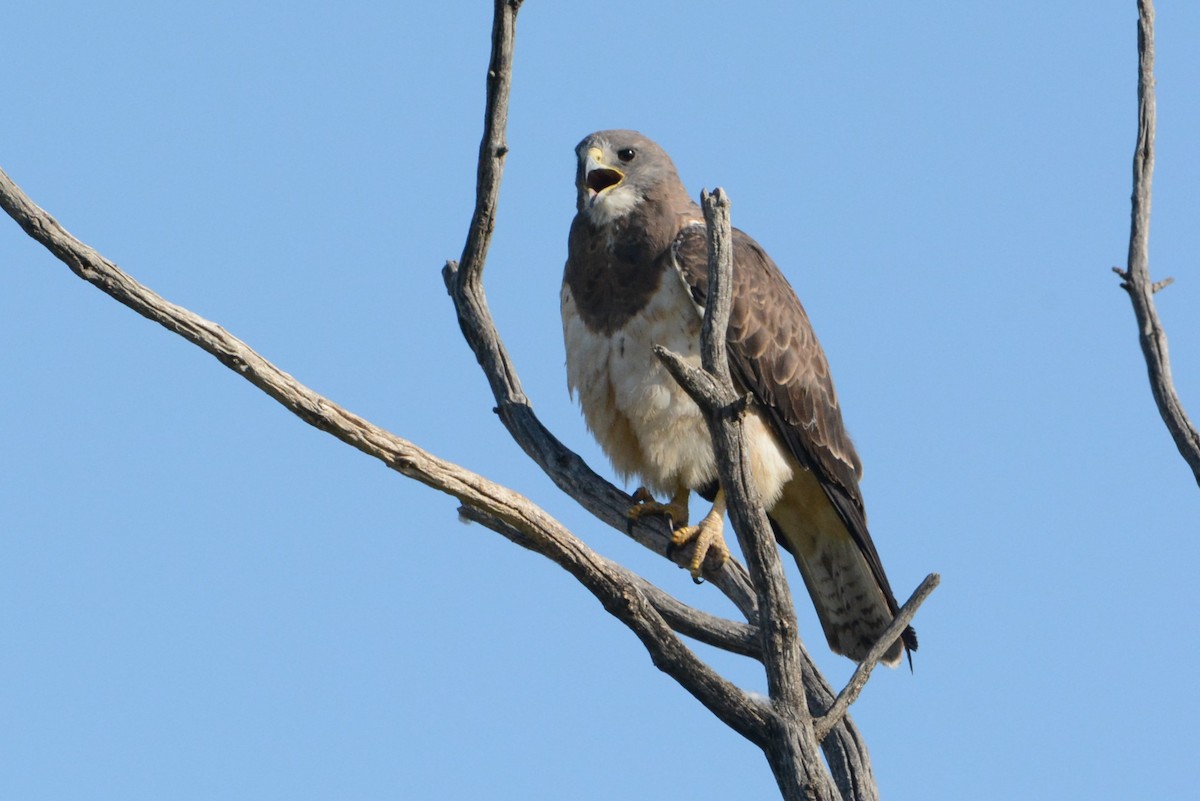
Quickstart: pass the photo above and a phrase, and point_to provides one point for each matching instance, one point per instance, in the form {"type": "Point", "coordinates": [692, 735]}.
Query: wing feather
{"type": "Point", "coordinates": [775, 355]}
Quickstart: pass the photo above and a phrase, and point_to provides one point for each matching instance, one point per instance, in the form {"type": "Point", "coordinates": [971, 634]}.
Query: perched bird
{"type": "Point", "coordinates": [636, 276]}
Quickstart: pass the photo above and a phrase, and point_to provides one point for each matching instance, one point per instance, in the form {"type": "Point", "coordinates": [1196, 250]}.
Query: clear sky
{"type": "Point", "coordinates": [202, 597]}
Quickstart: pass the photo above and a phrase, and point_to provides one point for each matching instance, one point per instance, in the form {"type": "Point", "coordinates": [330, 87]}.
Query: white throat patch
{"type": "Point", "coordinates": [611, 204]}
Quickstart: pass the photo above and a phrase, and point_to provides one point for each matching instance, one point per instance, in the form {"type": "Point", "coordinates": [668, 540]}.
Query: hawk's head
{"type": "Point", "coordinates": [617, 170]}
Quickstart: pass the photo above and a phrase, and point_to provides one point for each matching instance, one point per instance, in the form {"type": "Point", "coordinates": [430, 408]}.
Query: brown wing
{"type": "Point", "coordinates": [775, 354]}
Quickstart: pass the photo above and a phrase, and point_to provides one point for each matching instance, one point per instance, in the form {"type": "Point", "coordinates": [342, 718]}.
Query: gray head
{"type": "Point", "coordinates": [617, 170]}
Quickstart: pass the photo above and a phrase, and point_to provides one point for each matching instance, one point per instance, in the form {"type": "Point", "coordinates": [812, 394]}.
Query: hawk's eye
{"type": "Point", "coordinates": [626, 154]}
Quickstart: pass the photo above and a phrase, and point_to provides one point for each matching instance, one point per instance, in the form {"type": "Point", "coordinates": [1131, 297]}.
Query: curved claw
{"type": "Point", "coordinates": [644, 504]}
{"type": "Point", "coordinates": [707, 537]}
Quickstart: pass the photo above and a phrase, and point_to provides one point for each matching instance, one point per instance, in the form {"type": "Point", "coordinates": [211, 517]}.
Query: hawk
{"type": "Point", "coordinates": [636, 276]}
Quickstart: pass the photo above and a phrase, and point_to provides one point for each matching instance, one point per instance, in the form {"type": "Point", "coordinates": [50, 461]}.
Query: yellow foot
{"type": "Point", "coordinates": [707, 538]}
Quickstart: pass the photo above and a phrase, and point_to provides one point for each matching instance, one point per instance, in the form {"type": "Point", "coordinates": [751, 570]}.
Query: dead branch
{"type": "Point", "coordinates": [1136, 276]}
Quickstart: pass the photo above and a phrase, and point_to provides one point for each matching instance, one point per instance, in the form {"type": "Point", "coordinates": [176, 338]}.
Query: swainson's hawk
{"type": "Point", "coordinates": [636, 276]}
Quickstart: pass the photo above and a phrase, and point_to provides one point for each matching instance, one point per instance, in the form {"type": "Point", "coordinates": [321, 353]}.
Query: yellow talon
{"type": "Point", "coordinates": [707, 535]}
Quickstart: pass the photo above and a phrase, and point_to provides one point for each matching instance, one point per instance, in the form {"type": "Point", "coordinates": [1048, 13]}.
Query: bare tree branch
{"type": "Point", "coordinates": [714, 356]}
{"type": "Point", "coordinates": [1136, 276]}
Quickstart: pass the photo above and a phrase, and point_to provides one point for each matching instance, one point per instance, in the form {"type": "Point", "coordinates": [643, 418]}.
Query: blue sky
{"type": "Point", "coordinates": [202, 597]}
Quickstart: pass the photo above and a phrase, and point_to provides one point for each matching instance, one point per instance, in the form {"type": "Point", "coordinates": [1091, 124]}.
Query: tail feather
{"type": "Point", "coordinates": [852, 609]}
{"type": "Point", "coordinates": [853, 606]}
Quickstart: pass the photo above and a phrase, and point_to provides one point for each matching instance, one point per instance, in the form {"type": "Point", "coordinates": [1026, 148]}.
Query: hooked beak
{"type": "Point", "coordinates": [597, 175]}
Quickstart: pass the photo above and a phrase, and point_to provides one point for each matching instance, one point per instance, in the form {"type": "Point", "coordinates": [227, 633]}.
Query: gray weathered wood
{"type": "Point", "coordinates": [1136, 276]}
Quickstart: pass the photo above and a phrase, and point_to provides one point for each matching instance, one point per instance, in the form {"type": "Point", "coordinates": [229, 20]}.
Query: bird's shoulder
{"type": "Point", "coordinates": [774, 353]}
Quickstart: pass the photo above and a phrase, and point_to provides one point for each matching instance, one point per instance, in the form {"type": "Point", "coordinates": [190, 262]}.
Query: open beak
{"type": "Point", "coordinates": [597, 175]}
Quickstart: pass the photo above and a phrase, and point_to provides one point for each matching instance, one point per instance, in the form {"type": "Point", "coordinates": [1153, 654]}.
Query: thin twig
{"type": "Point", "coordinates": [858, 680]}
{"type": "Point", "coordinates": [468, 272]}
{"type": "Point", "coordinates": [1136, 277]}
